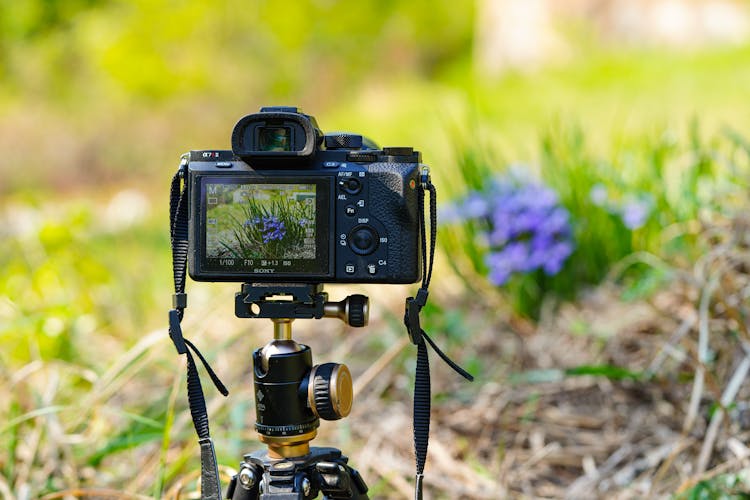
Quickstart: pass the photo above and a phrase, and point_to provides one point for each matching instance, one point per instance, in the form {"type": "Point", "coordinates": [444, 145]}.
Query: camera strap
{"type": "Point", "coordinates": [418, 337]}
{"type": "Point", "coordinates": [178, 223]}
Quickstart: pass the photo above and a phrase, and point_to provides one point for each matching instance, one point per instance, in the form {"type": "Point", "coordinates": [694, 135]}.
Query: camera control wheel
{"type": "Point", "coordinates": [363, 240]}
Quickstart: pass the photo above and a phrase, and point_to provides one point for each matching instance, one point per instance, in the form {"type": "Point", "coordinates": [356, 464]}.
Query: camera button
{"type": "Point", "coordinates": [224, 164]}
{"type": "Point", "coordinates": [372, 269]}
{"type": "Point", "coordinates": [351, 185]}
{"type": "Point", "coordinates": [350, 210]}
{"type": "Point", "coordinates": [331, 164]}
{"type": "Point", "coordinates": [349, 268]}
{"type": "Point", "coordinates": [363, 240]}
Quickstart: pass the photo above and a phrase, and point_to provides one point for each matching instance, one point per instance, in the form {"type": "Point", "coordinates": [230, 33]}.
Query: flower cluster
{"type": "Point", "coordinates": [526, 227]}
{"type": "Point", "coordinates": [273, 228]}
{"type": "Point", "coordinates": [633, 210]}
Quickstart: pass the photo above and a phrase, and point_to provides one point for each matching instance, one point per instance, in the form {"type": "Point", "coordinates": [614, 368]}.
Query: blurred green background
{"type": "Point", "coordinates": [98, 99]}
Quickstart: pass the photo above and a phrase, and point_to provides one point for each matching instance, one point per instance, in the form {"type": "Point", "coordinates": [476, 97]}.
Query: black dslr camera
{"type": "Point", "coordinates": [291, 204]}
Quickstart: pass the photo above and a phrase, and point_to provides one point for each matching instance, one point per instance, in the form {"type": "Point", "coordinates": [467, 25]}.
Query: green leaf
{"type": "Point", "coordinates": [124, 442]}
{"type": "Point", "coordinates": [611, 372]}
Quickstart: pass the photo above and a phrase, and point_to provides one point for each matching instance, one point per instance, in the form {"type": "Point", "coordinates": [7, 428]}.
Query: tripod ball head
{"type": "Point", "coordinates": [292, 394]}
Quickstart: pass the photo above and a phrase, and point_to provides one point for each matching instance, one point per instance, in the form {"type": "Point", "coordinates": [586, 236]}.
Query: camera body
{"type": "Point", "coordinates": [290, 204]}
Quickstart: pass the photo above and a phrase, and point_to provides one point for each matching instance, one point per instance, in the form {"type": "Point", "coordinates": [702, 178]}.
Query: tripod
{"type": "Point", "coordinates": [292, 395]}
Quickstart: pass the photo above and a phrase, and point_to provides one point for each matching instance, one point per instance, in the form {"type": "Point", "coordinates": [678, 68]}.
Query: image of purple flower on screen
{"type": "Point", "coordinates": [273, 229]}
{"type": "Point", "coordinates": [252, 222]}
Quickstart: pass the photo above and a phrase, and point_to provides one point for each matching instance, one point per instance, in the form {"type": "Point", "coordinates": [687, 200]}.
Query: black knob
{"type": "Point", "coordinates": [362, 157]}
{"type": "Point", "coordinates": [363, 240]}
{"type": "Point", "coordinates": [343, 141]}
{"type": "Point", "coordinates": [358, 313]}
{"type": "Point", "coordinates": [351, 185]}
{"type": "Point", "coordinates": [353, 310]}
{"type": "Point", "coordinates": [330, 391]}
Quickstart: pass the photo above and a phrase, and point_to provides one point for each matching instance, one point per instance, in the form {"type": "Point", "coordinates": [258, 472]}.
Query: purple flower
{"type": "Point", "coordinates": [252, 222]}
{"type": "Point", "coordinates": [273, 229]}
{"type": "Point", "coordinates": [526, 228]}
{"type": "Point", "coordinates": [557, 222]}
{"type": "Point", "coordinates": [527, 221]}
{"type": "Point", "coordinates": [450, 214]}
{"type": "Point", "coordinates": [556, 257]}
{"type": "Point", "coordinates": [515, 253]}
{"type": "Point", "coordinates": [538, 197]}
{"type": "Point", "coordinates": [500, 235]}
{"type": "Point", "coordinates": [539, 249]}
{"type": "Point", "coordinates": [598, 195]}
{"type": "Point", "coordinates": [633, 210]}
{"type": "Point", "coordinates": [475, 206]}
{"type": "Point", "coordinates": [499, 276]}
{"type": "Point", "coordinates": [635, 213]}
{"type": "Point", "coordinates": [500, 271]}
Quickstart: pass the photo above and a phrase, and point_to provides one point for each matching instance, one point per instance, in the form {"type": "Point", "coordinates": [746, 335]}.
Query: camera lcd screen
{"type": "Point", "coordinates": [266, 226]}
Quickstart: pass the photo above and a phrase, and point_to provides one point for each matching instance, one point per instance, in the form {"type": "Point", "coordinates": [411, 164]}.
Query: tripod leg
{"type": "Point", "coordinates": [324, 470]}
{"type": "Point", "coordinates": [338, 480]}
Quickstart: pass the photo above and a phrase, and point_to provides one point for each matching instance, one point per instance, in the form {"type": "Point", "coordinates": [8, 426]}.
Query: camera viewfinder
{"type": "Point", "coordinates": [275, 139]}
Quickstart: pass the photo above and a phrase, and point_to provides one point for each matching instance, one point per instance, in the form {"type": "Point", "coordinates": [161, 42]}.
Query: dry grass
{"type": "Point", "coordinates": [682, 417]}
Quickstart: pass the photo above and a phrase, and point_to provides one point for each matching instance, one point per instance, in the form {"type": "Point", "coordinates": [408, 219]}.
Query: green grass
{"type": "Point", "coordinates": [71, 328]}
{"type": "Point", "coordinates": [721, 487]}
{"type": "Point", "coordinates": [685, 179]}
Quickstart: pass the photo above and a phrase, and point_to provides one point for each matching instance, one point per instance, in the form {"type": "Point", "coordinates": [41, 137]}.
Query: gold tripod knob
{"type": "Point", "coordinates": [329, 391]}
